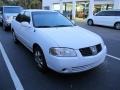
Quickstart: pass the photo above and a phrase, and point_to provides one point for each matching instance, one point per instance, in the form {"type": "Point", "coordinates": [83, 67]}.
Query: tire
{"type": "Point", "coordinates": [40, 59]}
{"type": "Point", "coordinates": [90, 22]}
{"type": "Point", "coordinates": [14, 37]}
{"type": "Point", "coordinates": [0, 23]}
{"type": "Point", "coordinates": [4, 27]}
{"type": "Point", "coordinates": [117, 25]}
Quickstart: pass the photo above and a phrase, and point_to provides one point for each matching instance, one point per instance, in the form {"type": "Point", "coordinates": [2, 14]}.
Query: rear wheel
{"type": "Point", "coordinates": [117, 26]}
{"type": "Point", "coordinates": [90, 22]}
{"type": "Point", "coordinates": [40, 59]}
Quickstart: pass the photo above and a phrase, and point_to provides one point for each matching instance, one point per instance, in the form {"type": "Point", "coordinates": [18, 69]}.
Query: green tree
{"type": "Point", "coordinates": [1, 3]}
{"type": "Point", "coordinates": [30, 3]}
{"type": "Point", "coordinates": [35, 4]}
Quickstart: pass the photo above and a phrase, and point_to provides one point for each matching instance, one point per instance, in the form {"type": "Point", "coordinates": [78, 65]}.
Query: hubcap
{"type": "Point", "coordinates": [39, 59]}
{"type": "Point", "coordinates": [90, 22]}
{"type": "Point", "coordinates": [118, 26]}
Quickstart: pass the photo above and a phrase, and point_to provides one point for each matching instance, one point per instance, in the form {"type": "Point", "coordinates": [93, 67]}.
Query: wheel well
{"type": "Point", "coordinates": [90, 19]}
{"type": "Point", "coordinates": [36, 45]}
{"type": "Point", "coordinates": [116, 23]}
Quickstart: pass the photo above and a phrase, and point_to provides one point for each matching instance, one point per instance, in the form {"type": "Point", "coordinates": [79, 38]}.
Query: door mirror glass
{"type": "Point", "coordinates": [26, 24]}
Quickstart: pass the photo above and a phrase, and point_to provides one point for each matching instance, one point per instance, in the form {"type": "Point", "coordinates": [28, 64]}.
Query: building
{"type": "Point", "coordinates": [80, 8]}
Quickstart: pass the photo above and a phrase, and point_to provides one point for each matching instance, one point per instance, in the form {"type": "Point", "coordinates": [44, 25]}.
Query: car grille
{"type": "Point", "coordinates": [90, 51]}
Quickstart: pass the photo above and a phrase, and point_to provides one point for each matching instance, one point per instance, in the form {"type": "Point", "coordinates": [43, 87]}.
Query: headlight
{"type": "Point", "coordinates": [63, 52]}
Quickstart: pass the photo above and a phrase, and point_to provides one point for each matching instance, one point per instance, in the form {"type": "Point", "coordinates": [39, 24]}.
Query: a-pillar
{"type": "Point", "coordinates": [116, 4]}
{"type": "Point", "coordinates": [73, 9]}
{"type": "Point", "coordinates": [91, 8]}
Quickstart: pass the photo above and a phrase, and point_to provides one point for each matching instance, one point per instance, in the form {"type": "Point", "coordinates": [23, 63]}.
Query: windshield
{"type": "Point", "coordinates": [12, 9]}
{"type": "Point", "coordinates": [50, 19]}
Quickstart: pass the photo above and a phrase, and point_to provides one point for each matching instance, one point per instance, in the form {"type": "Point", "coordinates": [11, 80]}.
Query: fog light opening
{"type": "Point", "coordinates": [65, 70]}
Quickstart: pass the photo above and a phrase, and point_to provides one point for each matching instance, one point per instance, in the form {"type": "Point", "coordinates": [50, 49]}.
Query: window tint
{"type": "Point", "coordinates": [19, 18]}
{"type": "Point", "coordinates": [108, 13]}
{"type": "Point", "coordinates": [23, 18]}
{"type": "Point", "coordinates": [27, 13]}
{"type": "Point", "coordinates": [102, 13]}
{"type": "Point", "coordinates": [27, 16]}
{"type": "Point", "coordinates": [12, 9]}
{"type": "Point", "coordinates": [50, 19]}
{"type": "Point", "coordinates": [116, 13]}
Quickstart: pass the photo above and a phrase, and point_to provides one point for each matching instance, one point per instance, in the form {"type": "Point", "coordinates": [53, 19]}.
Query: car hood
{"type": "Point", "coordinates": [72, 37]}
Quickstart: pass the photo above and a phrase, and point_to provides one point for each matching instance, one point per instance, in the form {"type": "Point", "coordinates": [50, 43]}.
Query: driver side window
{"type": "Point", "coordinates": [19, 18]}
{"type": "Point", "coordinates": [22, 18]}
{"type": "Point", "coordinates": [25, 18]}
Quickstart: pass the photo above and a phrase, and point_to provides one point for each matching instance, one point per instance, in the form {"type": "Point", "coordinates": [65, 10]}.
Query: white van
{"type": "Point", "coordinates": [106, 18]}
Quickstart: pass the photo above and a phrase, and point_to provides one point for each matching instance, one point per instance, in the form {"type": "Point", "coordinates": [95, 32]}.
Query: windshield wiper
{"type": "Point", "coordinates": [62, 26]}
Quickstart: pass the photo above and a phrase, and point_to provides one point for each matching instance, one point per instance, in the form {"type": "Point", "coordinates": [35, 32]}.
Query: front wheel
{"type": "Point", "coordinates": [40, 59]}
{"type": "Point", "coordinates": [90, 22]}
{"type": "Point", "coordinates": [117, 26]}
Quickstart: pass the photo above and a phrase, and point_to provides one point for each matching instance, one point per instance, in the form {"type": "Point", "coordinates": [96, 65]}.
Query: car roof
{"type": "Point", "coordinates": [39, 10]}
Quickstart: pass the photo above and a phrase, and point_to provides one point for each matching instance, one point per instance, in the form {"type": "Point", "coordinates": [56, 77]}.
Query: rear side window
{"type": "Point", "coordinates": [102, 13]}
{"type": "Point", "coordinates": [108, 13]}
{"type": "Point", "coordinates": [116, 13]}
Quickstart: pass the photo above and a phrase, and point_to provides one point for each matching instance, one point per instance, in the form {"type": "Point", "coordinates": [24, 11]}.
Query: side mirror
{"type": "Point", "coordinates": [26, 24]}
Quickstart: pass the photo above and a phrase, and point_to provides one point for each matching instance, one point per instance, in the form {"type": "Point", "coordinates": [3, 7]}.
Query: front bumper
{"type": "Point", "coordinates": [75, 64]}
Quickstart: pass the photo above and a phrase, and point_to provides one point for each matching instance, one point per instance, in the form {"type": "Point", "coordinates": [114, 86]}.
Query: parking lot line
{"type": "Point", "coordinates": [113, 57]}
{"type": "Point", "coordinates": [11, 70]}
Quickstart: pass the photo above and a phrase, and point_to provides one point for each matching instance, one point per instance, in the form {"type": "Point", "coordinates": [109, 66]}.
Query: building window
{"type": "Point", "coordinates": [98, 8]}
{"type": "Point", "coordinates": [82, 9]}
{"type": "Point", "coordinates": [67, 9]}
{"type": "Point", "coordinates": [56, 6]}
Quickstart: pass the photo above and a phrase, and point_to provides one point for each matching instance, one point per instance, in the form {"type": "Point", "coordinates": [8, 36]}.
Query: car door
{"type": "Point", "coordinates": [105, 18]}
{"type": "Point", "coordinates": [27, 31]}
{"type": "Point", "coordinates": [16, 25]}
{"type": "Point", "coordinates": [109, 18]}
{"type": "Point", "coordinates": [99, 18]}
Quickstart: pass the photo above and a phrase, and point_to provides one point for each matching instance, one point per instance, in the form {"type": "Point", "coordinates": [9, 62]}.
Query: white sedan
{"type": "Point", "coordinates": [57, 43]}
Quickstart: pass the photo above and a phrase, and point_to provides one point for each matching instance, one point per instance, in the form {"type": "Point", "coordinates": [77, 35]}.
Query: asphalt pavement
{"type": "Point", "coordinates": [104, 77]}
